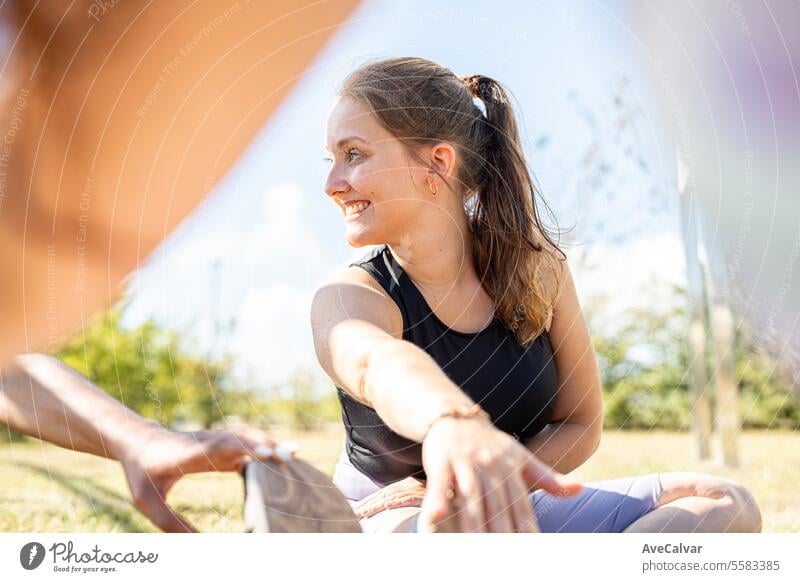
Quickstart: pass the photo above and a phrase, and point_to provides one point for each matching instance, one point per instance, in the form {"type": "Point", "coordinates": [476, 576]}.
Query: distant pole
{"type": "Point", "coordinates": [214, 414]}
{"type": "Point", "coordinates": [698, 381]}
{"type": "Point", "coordinates": [727, 393]}
{"type": "Point", "coordinates": [215, 296]}
{"type": "Point", "coordinates": [723, 354]}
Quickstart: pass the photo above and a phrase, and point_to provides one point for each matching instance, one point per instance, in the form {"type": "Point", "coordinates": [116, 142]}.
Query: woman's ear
{"type": "Point", "coordinates": [443, 160]}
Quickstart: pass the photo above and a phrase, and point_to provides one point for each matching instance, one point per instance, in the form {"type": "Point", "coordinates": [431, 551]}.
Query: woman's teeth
{"type": "Point", "coordinates": [353, 209]}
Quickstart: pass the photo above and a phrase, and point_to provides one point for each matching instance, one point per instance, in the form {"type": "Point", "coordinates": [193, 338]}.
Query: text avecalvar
{"type": "Point", "coordinates": [671, 549]}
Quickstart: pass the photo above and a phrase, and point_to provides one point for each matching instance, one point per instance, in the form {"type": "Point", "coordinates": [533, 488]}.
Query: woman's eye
{"type": "Point", "coordinates": [352, 155]}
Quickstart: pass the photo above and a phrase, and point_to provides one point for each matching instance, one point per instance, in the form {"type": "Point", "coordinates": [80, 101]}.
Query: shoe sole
{"type": "Point", "coordinates": [294, 497]}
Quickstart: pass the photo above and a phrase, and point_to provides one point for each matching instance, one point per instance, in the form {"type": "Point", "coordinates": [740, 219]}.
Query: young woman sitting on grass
{"type": "Point", "coordinates": [458, 346]}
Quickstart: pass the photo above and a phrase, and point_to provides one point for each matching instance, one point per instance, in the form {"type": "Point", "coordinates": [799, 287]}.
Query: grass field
{"type": "Point", "coordinates": [47, 489]}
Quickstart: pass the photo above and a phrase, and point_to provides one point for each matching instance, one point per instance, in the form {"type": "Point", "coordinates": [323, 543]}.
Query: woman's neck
{"type": "Point", "coordinates": [437, 259]}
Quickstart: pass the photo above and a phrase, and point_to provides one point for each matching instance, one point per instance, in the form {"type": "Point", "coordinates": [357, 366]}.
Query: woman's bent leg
{"type": "Point", "coordinates": [601, 506]}
{"type": "Point", "coordinates": [666, 502]}
{"type": "Point", "coordinates": [698, 502]}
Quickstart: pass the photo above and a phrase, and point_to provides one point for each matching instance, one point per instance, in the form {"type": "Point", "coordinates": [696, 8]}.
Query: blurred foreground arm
{"type": "Point", "coordinates": [117, 120]}
{"type": "Point", "coordinates": [41, 397]}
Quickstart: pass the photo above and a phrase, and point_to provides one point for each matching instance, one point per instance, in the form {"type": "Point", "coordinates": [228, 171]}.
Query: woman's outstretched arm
{"type": "Point", "coordinates": [357, 331]}
{"type": "Point", "coordinates": [574, 435]}
{"type": "Point", "coordinates": [357, 335]}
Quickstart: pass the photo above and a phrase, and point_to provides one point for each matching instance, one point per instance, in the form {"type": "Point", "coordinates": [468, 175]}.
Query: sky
{"type": "Point", "coordinates": [239, 275]}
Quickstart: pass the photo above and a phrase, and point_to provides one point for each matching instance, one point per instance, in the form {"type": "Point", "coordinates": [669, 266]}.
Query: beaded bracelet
{"type": "Point", "coordinates": [470, 411]}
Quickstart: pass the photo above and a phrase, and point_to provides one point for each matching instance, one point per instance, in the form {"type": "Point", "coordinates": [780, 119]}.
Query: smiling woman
{"type": "Point", "coordinates": [458, 346]}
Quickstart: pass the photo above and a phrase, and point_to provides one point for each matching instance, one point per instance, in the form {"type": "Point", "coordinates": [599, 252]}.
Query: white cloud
{"type": "Point", "coordinates": [638, 274]}
{"type": "Point", "coordinates": [287, 230]}
{"type": "Point", "coordinates": [273, 336]}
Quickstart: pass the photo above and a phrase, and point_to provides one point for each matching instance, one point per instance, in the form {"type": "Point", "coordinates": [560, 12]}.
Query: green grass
{"type": "Point", "coordinates": [47, 489]}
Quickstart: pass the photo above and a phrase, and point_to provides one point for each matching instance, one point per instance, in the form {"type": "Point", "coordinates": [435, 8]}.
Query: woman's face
{"type": "Point", "coordinates": [381, 192]}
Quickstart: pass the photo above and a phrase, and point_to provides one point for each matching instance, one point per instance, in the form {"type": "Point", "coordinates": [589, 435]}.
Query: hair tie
{"type": "Point", "coordinates": [480, 87]}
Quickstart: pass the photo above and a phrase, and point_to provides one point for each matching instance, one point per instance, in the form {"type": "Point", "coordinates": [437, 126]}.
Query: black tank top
{"type": "Point", "coordinates": [515, 385]}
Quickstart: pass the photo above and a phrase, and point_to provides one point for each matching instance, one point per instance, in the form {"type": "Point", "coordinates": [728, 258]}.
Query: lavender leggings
{"type": "Point", "coordinates": [601, 506]}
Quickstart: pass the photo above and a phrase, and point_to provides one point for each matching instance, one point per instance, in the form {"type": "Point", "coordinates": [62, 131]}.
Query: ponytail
{"type": "Point", "coordinates": [508, 241]}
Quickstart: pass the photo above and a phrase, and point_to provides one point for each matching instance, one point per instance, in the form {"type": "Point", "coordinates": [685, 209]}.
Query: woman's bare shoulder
{"type": "Point", "coordinates": [354, 293]}
{"type": "Point", "coordinates": [353, 279]}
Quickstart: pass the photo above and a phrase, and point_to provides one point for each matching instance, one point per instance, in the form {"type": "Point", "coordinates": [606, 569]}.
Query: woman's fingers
{"type": "Point", "coordinates": [469, 490]}
{"type": "Point", "coordinates": [406, 493]}
{"type": "Point", "coordinates": [372, 508]}
{"type": "Point", "coordinates": [538, 475]}
{"type": "Point", "coordinates": [362, 512]}
{"type": "Point", "coordinates": [438, 500]}
{"type": "Point", "coordinates": [497, 505]}
{"type": "Point", "coordinates": [366, 503]}
{"type": "Point", "coordinates": [521, 509]}
{"type": "Point", "coordinates": [482, 459]}
{"type": "Point", "coordinates": [368, 506]}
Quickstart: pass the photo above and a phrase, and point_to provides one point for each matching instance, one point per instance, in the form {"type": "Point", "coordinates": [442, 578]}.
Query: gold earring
{"type": "Point", "coordinates": [433, 190]}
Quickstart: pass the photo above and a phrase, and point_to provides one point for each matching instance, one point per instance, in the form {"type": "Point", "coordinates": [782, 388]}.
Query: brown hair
{"type": "Point", "coordinates": [421, 102]}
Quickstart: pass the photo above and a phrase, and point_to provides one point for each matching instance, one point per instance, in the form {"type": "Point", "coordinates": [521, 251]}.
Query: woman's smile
{"type": "Point", "coordinates": [355, 208]}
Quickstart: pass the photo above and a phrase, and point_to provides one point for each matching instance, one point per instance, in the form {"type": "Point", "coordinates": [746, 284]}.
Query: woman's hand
{"type": "Point", "coordinates": [162, 457]}
{"type": "Point", "coordinates": [486, 475]}
{"type": "Point", "coordinates": [406, 493]}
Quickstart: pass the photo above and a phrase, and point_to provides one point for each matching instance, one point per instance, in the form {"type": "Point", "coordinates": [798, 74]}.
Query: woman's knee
{"type": "Point", "coordinates": [730, 497]}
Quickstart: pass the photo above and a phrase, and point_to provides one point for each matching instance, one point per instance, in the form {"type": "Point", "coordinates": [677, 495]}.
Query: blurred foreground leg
{"type": "Point", "coordinates": [294, 497]}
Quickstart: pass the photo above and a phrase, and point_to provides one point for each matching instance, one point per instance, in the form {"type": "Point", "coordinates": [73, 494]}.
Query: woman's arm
{"type": "Point", "coordinates": [357, 330]}
{"type": "Point", "coordinates": [575, 434]}
{"type": "Point", "coordinates": [565, 446]}
{"type": "Point", "coordinates": [41, 397]}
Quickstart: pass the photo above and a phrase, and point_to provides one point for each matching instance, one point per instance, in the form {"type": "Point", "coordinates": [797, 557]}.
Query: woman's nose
{"type": "Point", "coordinates": [335, 184]}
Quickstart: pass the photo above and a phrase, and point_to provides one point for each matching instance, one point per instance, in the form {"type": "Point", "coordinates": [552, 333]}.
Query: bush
{"type": "Point", "coordinates": [9, 436]}
{"type": "Point", "coordinates": [301, 405]}
{"type": "Point", "coordinates": [656, 394]}
{"type": "Point", "coordinates": [148, 370]}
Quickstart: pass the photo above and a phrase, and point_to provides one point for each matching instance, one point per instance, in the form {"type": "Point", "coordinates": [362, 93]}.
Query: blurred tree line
{"type": "Point", "coordinates": [151, 371]}
{"type": "Point", "coordinates": [148, 369]}
{"type": "Point", "coordinates": [655, 394]}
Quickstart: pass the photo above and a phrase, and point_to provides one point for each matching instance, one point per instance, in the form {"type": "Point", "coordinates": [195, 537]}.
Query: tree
{"type": "Point", "coordinates": [147, 369]}
{"type": "Point", "coordinates": [654, 392]}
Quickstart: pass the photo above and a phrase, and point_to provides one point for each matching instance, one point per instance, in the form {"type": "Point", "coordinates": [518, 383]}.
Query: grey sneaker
{"type": "Point", "coordinates": [294, 497]}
